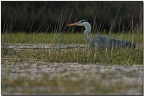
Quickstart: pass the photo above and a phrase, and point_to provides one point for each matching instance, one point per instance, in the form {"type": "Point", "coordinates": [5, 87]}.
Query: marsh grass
{"type": "Point", "coordinates": [80, 55]}
{"type": "Point", "coordinates": [64, 38]}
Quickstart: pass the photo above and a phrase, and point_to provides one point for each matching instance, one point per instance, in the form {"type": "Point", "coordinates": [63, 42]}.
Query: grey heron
{"type": "Point", "coordinates": [102, 41]}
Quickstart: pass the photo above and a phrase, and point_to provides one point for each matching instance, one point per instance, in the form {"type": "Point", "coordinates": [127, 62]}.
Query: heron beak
{"type": "Point", "coordinates": [73, 24]}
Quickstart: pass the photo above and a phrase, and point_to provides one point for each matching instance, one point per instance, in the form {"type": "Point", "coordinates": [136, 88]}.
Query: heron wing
{"type": "Point", "coordinates": [100, 41]}
{"type": "Point", "coordinates": [103, 41]}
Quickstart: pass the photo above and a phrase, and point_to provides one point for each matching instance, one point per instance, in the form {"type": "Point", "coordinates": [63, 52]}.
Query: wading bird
{"type": "Point", "coordinates": [102, 41]}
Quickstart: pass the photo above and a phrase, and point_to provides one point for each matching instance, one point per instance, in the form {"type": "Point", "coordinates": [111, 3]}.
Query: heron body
{"type": "Point", "coordinates": [102, 41]}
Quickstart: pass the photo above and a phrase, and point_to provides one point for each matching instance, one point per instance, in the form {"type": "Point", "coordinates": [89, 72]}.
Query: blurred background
{"type": "Point", "coordinates": [44, 16]}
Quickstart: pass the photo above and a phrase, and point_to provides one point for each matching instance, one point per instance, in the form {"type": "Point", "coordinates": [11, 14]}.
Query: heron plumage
{"type": "Point", "coordinates": [102, 41]}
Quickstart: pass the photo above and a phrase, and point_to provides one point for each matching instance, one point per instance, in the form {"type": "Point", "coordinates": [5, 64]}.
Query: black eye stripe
{"type": "Point", "coordinates": [83, 21]}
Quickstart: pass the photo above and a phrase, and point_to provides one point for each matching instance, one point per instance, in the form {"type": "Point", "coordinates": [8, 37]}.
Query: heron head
{"type": "Point", "coordinates": [79, 23]}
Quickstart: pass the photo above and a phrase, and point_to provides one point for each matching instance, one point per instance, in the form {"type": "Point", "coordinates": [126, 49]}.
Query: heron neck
{"type": "Point", "coordinates": [86, 31]}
